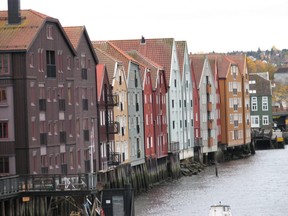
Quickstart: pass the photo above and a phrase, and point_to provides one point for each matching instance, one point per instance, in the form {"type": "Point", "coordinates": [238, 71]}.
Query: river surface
{"type": "Point", "coordinates": [254, 186]}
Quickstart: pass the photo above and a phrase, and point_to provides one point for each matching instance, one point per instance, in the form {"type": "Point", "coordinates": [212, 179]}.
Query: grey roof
{"type": "Point", "coordinates": [262, 85]}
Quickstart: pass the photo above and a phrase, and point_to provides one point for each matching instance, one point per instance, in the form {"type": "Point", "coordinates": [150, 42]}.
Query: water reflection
{"type": "Point", "coordinates": [253, 186]}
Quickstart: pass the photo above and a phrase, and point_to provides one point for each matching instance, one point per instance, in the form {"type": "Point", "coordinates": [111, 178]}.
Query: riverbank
{"type": "Point", "coordinates": [241, 183]}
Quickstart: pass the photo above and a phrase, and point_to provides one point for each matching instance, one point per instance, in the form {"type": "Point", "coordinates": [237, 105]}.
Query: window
{"type": "Point", "coordinates": [173, 124]}
{"type": "Point", "coordinates": [60, 61]}
{"type": "Point", "coordinates": [83, 61]}
{"type": "Point", "coordinates": [4, 64]}
{"type": "Point", "coordinates": [69, 96]}
{"type": "Point", "coordinates": [40, 60]}
{"type": "Point", "coordinates": [265, 120]}
{"type": "Point", "coordinates": [175, 83]}
{"type": "Point", "coordinates": [254, 106]}
{"type": "Point", "coordinates": [33, 127]}
{"type": "Point", "coordinates": [51, 67]}
{"type": "Point", "coordinates": [49, 32]}
{"type": "Point", "coordinates": [4, 165]}
{"type": "Point", "coordinates": [255, 121]}
{"type": "Point", "coordinates": [3, 130]}
{"type": "Point", "coordinates": [3, 95]}
{"type": "Point", "coordinates": [265, 103]}
{"type": "Point", "coordinates": [31, 60]}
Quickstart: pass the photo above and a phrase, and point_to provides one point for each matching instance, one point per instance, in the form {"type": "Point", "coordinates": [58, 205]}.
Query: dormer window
{"type": "Point", "coordinates": [49, 32]}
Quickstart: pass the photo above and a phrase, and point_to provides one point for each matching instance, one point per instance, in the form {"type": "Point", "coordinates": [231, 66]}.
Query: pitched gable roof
{"type": "Point", "coordinates": [180, 48]}
{"type": "Point", "coordinates": [75, 33]}
{"type": "Point", "coordinates": [197, 64]}
{"type": "Point", "coordinates": [240, 60]}
{"type": "Point", "coordinates": [20, 37]}
{"type": "Point", "coordinates": [262, 85]}
{"type": "Point", "coordinates": [109, 61]}
{"type": "Point", "coordinates": [159, 50]}
{"type": "Point", "coordinates": [152, 66]}
{"type": "Point", "coordinates": [114, 51]}
{"type": "Point", "coordinates": [223, 63]}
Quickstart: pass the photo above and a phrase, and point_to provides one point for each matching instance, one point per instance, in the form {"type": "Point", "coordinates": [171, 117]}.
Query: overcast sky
{"type": "Point", "coordinates": [206, 25]}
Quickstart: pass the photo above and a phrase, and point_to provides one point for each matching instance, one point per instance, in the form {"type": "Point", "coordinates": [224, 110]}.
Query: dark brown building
{"type": "Point", "coordinates": [37, 99]}
{"type": "Point", "coordinates": [85, 100]}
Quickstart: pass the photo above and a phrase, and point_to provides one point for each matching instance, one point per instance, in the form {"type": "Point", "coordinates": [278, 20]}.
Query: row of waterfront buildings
{"type": "Point", "coordinates": [71, 105]}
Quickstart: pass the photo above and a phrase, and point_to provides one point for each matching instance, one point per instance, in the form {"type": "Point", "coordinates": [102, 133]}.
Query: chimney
{"type": "Point", "coordinates": [143, 40]}
{"type": "Point", "coordinates": [14, 11]}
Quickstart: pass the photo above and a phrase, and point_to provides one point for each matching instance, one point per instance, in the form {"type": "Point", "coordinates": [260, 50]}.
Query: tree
{"type": "Point", "coordinates": [280, 94]}
{"type": "Point", "coordinates": [251, 65]}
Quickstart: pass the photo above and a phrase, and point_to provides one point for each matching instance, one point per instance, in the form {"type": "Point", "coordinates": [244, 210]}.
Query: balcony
{"type": "Point", "coordinates": [113, 159]}
{"type": "Point", "coordinates": [113, 127]}
{"type": "Point", "coordinates": [210, 141]}
{"type": "Point", "coordinates": [42, 104]}
{"type": "Point", "coordinates": [173, 147]}
{"type": "Point", "coordinates": [208, 88]}
{"type": "Point", "coordinates": [209, 106]}
{"type": "Point", "coordinates": [210, 124]}
{"type": "Point", "coordinates": [112, 100]}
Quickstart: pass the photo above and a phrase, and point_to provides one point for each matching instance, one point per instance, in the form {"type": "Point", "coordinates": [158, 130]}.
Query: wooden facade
{"type": "Point", "coordinates": [117, 79]}
{"type": "Point", "coordinates": [205, 83]}
{"type": "Point", "coordinates": [232, 109]}
{"type": "Point", "coordinates": [85, 99]}
{"type": "Point", "coordinates": [187, 104]}
{"type": "Point", "coordinates": [107, 126]}
{"type": "Point", "coordinates": [134, 83]}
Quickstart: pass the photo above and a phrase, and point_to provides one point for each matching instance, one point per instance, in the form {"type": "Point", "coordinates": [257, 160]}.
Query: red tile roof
{"type": "Point", "coordinates": [240, 60]}
{"type": "Point", "coordinates": [114, 51]}
{"type": "Point", "coordinates": [109, 61]}
{"type": "Point", "coordinates": [74, 33]}
{"type": "Point", "coordinates": [20, 37]}
{"type": "Point", "coordinates": [158, 50]}
{"type": "Point", "coordinates": [223, 64]}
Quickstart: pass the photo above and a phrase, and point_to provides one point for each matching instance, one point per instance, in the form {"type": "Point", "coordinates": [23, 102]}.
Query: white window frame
{"type": "Point", "coordinates": [254, 105]}
{"type": "Point", "coordinates": [265, 103]}
{"type": "Point", "coordinates": [265, 120]}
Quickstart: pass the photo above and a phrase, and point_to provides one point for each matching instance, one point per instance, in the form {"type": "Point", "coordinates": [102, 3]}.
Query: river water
{"type": "Point", "coordinates": [254, 186]}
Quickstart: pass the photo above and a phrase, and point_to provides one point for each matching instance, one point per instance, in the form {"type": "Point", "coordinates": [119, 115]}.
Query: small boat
{"type": "Point", "coordinates": [220, 210]}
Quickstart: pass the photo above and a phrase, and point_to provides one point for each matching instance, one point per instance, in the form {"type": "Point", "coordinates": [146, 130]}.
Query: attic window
{"type": "Point", "coordinates": [49, 32]}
